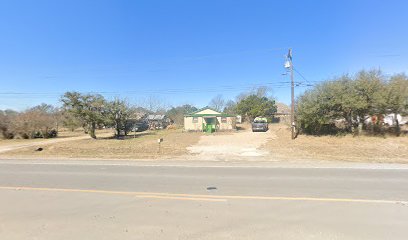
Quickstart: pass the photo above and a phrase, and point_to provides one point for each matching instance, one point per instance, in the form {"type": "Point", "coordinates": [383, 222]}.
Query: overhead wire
{"type": "Point", "coordinates": [282, 84]}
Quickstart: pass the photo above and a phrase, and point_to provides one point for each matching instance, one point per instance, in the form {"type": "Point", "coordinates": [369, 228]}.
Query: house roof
{"type": "Point", "coordinates": [205, 108]}
{"type": "Point", "coordinates": [282, 108]}
{"type": "Point", "coordinates": [215, 113]}
{"type": "Point", "coordinates": [156, 117]}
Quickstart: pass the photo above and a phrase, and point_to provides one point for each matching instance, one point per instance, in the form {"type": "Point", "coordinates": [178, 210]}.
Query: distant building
{"type": "Point", "coordinates": [239, 119]}
{"type": "Point", "coordinates": [282, 114]}
{"type": "Point", "coordinates": [158, 121]}
{"type": "Point", "coordinates": [388, 119]}
{"type": "Point", "coordinates": [209, 120]}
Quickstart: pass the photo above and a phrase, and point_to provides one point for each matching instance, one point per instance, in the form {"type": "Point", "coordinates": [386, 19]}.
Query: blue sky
{"type": "Point", "coordinates": [135, 49]}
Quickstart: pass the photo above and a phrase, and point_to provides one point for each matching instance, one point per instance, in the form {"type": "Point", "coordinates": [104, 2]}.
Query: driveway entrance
{"type": "Point", "coordinates": [227, 146]}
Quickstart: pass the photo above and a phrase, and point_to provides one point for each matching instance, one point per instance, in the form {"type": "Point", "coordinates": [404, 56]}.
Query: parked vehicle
{"type": "Point", "coordinates": [133, 125]}
{"type": "Point", "coordinates": [140, 126]}
{"type": "Point", "coordinates": [260, 124]}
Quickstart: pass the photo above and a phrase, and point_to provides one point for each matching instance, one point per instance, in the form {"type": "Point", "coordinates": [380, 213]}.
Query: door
{"type": "Point", "coordinates": [210, 125]}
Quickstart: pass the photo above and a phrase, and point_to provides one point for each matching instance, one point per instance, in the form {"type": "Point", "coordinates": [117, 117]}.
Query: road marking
{"type": "Point", "coordinates": [134, 194]}
{"type": "Point", "coordinates": [210, 198]}
{"type": "Point", "coordinates": [277, 165]}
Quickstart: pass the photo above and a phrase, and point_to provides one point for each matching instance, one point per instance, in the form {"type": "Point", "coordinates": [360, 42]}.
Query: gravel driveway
{"type": "Point", "coordinates": [241, 144]}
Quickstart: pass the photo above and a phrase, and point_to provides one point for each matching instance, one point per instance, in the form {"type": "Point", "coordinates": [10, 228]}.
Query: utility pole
{"type": "Point", "coordinates": [289, 65]}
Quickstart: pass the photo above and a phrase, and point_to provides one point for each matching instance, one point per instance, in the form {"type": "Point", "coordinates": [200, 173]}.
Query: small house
{"type": "Point", "coordinates": [209, 120]}
{"type": "Point", "coordinates": [282, 114]}
{"type": "Point", "coordinates": [158, 121]}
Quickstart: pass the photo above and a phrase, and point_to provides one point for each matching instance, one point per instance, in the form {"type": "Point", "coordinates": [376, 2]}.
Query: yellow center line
{"type": "Point", "coordinates": [134, 194]}
{"type": "Point", "coordinates": [201, 197]}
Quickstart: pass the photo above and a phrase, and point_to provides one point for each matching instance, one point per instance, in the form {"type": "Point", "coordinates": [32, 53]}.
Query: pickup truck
{"type": "Point", "coordinates": [260, 124]}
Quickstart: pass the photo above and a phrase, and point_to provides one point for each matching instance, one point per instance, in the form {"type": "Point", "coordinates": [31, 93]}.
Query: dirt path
{"type": "Point", "coordinates": [237, 145]}
{"type": "Point", "coordinates": [14, 146]}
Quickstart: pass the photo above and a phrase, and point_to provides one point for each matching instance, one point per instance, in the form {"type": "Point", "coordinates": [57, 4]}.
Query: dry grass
{"type": "Point", "coordinates": [144, 145]}
{"type": "Point", "coordinates": [63, 133]}
{"type": "Point", "coordinates": [344, 148]}
{"type": "Point", "coordinates": [281, 147]}
{"type": "Point", "coordinates": [11, 142]}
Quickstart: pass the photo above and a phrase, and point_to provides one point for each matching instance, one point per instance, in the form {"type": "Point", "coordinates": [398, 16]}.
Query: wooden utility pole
{"type": "Point", "coordinates": [289, 65]}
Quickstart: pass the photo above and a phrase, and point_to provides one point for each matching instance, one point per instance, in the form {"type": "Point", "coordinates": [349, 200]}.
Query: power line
{"type": "Point", "coordinates": [303, 77]}
{"type": "Point", "coordinates": [156, 91]}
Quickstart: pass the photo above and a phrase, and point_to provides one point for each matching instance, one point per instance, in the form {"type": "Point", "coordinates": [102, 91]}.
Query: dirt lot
{"type": "Point", "coordinates": [144, 145]}
{"type": "Point", "coordinates": [242, 145]}
{"type": "Point", "coordinates": [344, 148]}
{"type": "Point", "coordinates": [62, 134]}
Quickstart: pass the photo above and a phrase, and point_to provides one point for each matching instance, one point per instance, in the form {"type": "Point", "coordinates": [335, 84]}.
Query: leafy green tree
{"type": "Point", "coordinates": [396, 97]}
{"type": "Point", "coordinates": [118, 114]}
{"type": "Point", "coordinates": [350, 99]}
{"type": "Point", "coordinates": [70, 121]}
{"type": "Point", "coordinates": [341, 101]}
{"type": "Point", "coordinates": [253, 106]}
{"type": "Point", "coordinates": [90, 109]}
{"type": "Point", "coordinates": [177, 113]}
{"type": "Point", "coordinates": [311, 116]}
{"type": "Point", "coordinates": [369, 88]}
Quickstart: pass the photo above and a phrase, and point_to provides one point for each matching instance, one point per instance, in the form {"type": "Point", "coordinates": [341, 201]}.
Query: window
{"type": "Point", "coordinates": [223, 119]}
{"type": "Point", "coordinates": [195, 119]}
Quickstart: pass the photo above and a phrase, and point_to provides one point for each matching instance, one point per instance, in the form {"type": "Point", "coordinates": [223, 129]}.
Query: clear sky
{"type": "Point", "coordinates": [189, 51]}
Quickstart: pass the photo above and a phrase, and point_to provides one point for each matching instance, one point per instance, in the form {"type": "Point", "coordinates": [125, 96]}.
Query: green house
{"type": "Point", "coordinates": [209, 120]}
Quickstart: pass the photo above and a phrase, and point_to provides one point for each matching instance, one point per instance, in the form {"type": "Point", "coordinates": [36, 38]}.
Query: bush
{"type": "Point", "coordinates": [351, 100]}
{"type": "Point", "coordinates": [36, 122]}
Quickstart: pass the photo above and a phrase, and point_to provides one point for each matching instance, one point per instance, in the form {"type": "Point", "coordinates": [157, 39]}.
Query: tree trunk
{"type": "Point", "coordinates": [360, 126]}
{"type": "Point", "coordinates": [397, 126]}
{"type": "Point", "coordinates": [92, 128]}
{"type": "Point", "coordinates": [117, 128]}
{"type": "Point", "coordinates": [349, 122]}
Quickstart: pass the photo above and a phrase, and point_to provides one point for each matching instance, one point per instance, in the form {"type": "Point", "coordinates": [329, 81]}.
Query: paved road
{"type": "Point", "coordinates": [113, 201]}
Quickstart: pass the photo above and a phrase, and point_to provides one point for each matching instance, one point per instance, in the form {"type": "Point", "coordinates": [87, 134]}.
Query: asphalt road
{"type": "Point", "coordinates": [113, 201]}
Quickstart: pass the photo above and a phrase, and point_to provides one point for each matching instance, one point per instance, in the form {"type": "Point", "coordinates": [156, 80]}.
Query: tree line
{"type": "Point", "coordinates": [358, 102]}
{"type": "Point", "coordinates": [345, 104]}
{"type": "Point", "coordinates": [249, 104]}
{"type": "Point", "coordinates": [92, 111]}
{"type": "Point", "coordinates": [87, 111]}
{"type": "Point", "coordinates": [39, 121]}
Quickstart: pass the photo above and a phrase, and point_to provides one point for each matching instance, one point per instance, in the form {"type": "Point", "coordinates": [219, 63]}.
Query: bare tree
{"type": "Point", "coordinates": [261, 91]}
{"type": "Point", "coordinates": [154, 104]}
{"type": "Point", "coordinates": [39, 121]}
{"type": "Point", "coordinates": [217, 103]}
{"type": "Point", "coordinates": [230, 107]}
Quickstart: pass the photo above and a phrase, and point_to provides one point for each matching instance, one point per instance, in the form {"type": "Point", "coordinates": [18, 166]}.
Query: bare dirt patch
{"type": "Point", "coordinates": [15, 144]}
{"type": "Point", "coordinates": [241, 144]}
{"type": "Point", "coordinates": [274, 145]}
{"type": "Point", "coordinates": [143, 145]}
{"type": "Point", "coordinates": [341, 148]}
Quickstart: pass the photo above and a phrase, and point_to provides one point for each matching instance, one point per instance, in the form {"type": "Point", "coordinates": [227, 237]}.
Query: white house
{"type": "Point", "coordinates": [209, 120]}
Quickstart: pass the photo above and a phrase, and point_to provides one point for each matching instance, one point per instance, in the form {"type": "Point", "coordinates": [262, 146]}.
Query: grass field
{"type": "Point", "coordinates": [144, 145]}
{"type": "Point", "coordinates": [139, 146]}
{"type": "Point", "coordinates": [343, 148]}
{"type": "Point", "coordinates": [61, 135]}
